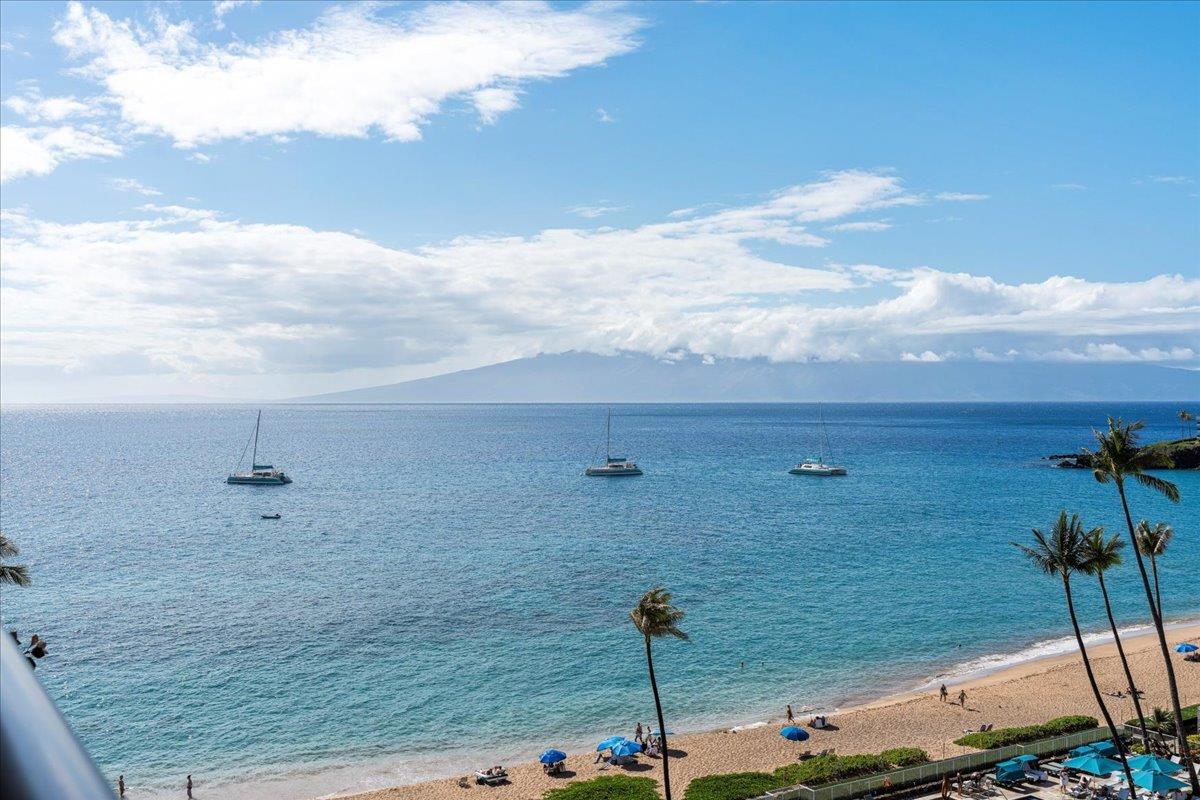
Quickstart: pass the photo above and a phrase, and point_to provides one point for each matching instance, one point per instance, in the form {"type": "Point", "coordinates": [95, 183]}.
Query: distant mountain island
{"type": "Point", "coordinates": [587, 378]}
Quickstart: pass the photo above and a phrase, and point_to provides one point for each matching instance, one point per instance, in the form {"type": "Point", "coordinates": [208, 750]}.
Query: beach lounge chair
{"type": "Point", "coordinates": [493, 776]}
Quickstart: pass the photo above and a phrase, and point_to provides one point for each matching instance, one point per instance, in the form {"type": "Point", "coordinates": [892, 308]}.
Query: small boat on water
{"type": "Point", "coordinates": [818, 466]}
{"type": "Point", "coordinates": [613, 466]}
{"type": "Point", "coordinates": [259, 474]}
{"type": "Point", "coordinates": [272, 516]}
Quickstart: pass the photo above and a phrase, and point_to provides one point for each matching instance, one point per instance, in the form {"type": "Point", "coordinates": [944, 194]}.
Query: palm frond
{"type": "Point", "coordinates": [1163, 487]}
{"type": "Point", "coordinates": [1099, 554]}
{"type": "Point", "coordinates": [654, 615]}
{"type": "Point", "coordinates": [1153, 540]}
{"type": "Point", "coordinates": [7, 548]}
{"type": "Point", "coordinates": [17, 574]}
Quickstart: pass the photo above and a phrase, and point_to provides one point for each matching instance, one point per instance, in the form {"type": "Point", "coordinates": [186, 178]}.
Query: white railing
{"type": "Point", "coordinates": [934, 771]}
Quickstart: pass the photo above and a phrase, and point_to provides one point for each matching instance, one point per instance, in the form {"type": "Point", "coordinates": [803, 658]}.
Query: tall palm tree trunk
{"type": "Point", "coordinates": [1157, 588]}
{"type": "Point", "coordinates": [1087, 666]}
{"type": "Point", "coordinates": [1180, 734]}
{"type": "Point", "coordinates": [662, 725]}
{"type": "Point", "coordinates": [1112, 623]}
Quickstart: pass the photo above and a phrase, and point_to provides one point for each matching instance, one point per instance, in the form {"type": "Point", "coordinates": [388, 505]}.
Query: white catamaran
{"type": "Point", "coordinates": [259, 474]}
{"type": "Point", "coordinates": [818, 466]}
{"type": "Point", "coordinates": [613, 466]}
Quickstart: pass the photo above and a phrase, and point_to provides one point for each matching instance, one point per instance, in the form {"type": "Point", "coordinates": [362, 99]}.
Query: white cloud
{"type": "Point", "coordinates": [190, 290]}
{"type": "Point", "coordinates": [598, 210]}
{"type": "Point", "coordinates": [603, 115]}
{"type": "Point", "coordinates": [928, 356]}
{"type": "Point", "coordinates": [873, 225]}
{"type": "Point", "coordinates": [359, 69]}
{"type": "Point", "coordinates": [36, 108]}
{"type": "Point", "coordinates": [959, 197]}
{"type": "Point", "coordinates": [223, 7]}
{"type": "Point", "coordinates": [38, 150]}
{"type": "Point", "coordinates": [1177, 180]}
{"type": "Point", "coordinates": [1111, 351]}
{"type": "Point", "coordinates": [133, 185]}
{"type": "Point", "coordinates": [198, 157]}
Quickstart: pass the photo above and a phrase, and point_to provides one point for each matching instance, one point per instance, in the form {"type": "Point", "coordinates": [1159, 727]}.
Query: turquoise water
{"type": "Point", "coordinates": [446, 582]}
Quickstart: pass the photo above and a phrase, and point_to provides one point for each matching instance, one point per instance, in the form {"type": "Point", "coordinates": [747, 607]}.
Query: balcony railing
{"type": "Point", "coordinates": [40, 758]}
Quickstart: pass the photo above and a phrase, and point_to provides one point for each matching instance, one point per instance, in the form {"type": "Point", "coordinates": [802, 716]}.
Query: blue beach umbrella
{"type": "Point", "coordinates": [553, 757]}
{"type": "Point", "coordinates": [1024, 757]}
{"type": "Point", "coordinates": [1157, 782]}
{"type": "Point", "coordinates": [794, 734]}
{"type": "Point", "coordinates": [1148, 763]}
{"type": "Point", "coordinates": [1082, 750]}
{"type": "Point", "coordinates": [1105, 748]}
{"type": "Point", "coordinates": [1186, 647]}
{"type": "Point", "coordinates": [1092, 764]}
{"type": "Point", "coordinates": [608, 743]}
{"type": "Point", "coordinates": [626, 748]}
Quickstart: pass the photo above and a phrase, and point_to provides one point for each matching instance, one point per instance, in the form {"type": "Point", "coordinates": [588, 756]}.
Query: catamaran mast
{"type": "Point", "coordinates": [608, 438]}
{"type": "Point", "coordinates": [254, 457]}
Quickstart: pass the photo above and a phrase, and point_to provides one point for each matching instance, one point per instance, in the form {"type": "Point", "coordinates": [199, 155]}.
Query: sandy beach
{"type": "Point", "coordinates": [1024, 694]}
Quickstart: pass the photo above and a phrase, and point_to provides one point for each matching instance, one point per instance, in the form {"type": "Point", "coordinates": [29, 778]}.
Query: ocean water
{"type": "Point", "coordinates": [446, 588]}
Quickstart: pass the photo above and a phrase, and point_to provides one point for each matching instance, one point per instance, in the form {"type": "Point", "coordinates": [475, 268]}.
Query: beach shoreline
{"type": "Point", "coordinates": [1024, 690]}
{"type": "Point", "coordinates": [1023, 693]}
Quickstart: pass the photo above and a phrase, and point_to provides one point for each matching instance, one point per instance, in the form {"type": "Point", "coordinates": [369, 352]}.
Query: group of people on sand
{"type": "Point", "coordinates": [651, 745]}
{"type": "Point", "coordinates": [944, 693]}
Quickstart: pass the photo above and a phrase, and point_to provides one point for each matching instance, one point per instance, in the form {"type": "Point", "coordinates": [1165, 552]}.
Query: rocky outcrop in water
{"type": "Point", "coordinates": [1177, 454]}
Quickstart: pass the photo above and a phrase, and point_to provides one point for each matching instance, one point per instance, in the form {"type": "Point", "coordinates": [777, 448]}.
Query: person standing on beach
{"type": "Point", "coordinates": [120, 786]}
{"type": "Point", "coordinates": [791, 717]}
{"type": "Point", "coordinates": [945, 784]}
{"type": "Point", "coordinates": [189, 787]}
{"type": "Point", "coordinates": [637, 733]}
{"type": "Point", "coordinates": [962, 697]}
{"type": "Point", "coordinates": [944, 693]}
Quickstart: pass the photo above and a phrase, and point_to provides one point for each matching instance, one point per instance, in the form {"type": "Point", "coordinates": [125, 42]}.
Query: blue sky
{"type": "Point", "coordinates": [949, 181]}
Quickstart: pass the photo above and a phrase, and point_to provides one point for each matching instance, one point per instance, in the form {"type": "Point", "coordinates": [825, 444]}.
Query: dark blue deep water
{"type": "Point", "coordinates": [446, 581]}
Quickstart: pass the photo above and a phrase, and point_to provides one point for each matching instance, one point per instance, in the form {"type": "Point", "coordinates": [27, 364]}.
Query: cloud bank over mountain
{"type": "Point", "coordinates": [188, 291]}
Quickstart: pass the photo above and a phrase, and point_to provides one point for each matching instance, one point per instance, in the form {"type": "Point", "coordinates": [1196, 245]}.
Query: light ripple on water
{"type": "Point", "coordinates": [445, 583]}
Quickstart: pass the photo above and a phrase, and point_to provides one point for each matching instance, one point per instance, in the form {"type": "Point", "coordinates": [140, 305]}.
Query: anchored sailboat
{"type": "Point", "coordinates": [259, 474]}
{"type": "Point", "coordinates": [819, 466]}
{"type": "Point", "coordinates": [613, 466]}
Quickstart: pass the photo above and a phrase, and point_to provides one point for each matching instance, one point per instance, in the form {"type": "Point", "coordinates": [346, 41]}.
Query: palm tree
{"type": "Point", "coordinates": [1059, 555]}
{"type": "Point", "coordinates": [654, 617]}
{"type": "Point", "coordinates": [1118, 458]}
{"type": "Point", "coordinates": [1184, 419]}
{"type": "Point", "coordinates": [17, 574]}
{"type": "Point", "coordinates": [1101, 554]}
{"type": "Point", "coordinates": [1153, 542]}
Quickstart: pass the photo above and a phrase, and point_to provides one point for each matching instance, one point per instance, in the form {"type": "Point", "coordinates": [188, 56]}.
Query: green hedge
{"type": "Point", "coordinates": [607, 787]}
{"type": "Point", "coordinates": [905, 756]}
{"type": "Point", "coordinates": [1003, 737]}
{"type": "Point", "coordinates": [734, 786]}
{"type": "Point", "coordinates": [831, 769]}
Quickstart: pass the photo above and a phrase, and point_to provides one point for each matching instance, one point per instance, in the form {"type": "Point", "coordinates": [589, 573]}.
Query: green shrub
{"type": "Point", "coordinates": [830, 769]}
{"type": "Point", "coordinates": [1194, 743]}
{"type": "Point", "coordinates": [905, 756]}
{"type": "Point", "coordinates": [1003, 737]}
{"type": "Point", "coordinates": [607, 787]}
{"type": "Point", "coordinates": [735, 786]}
